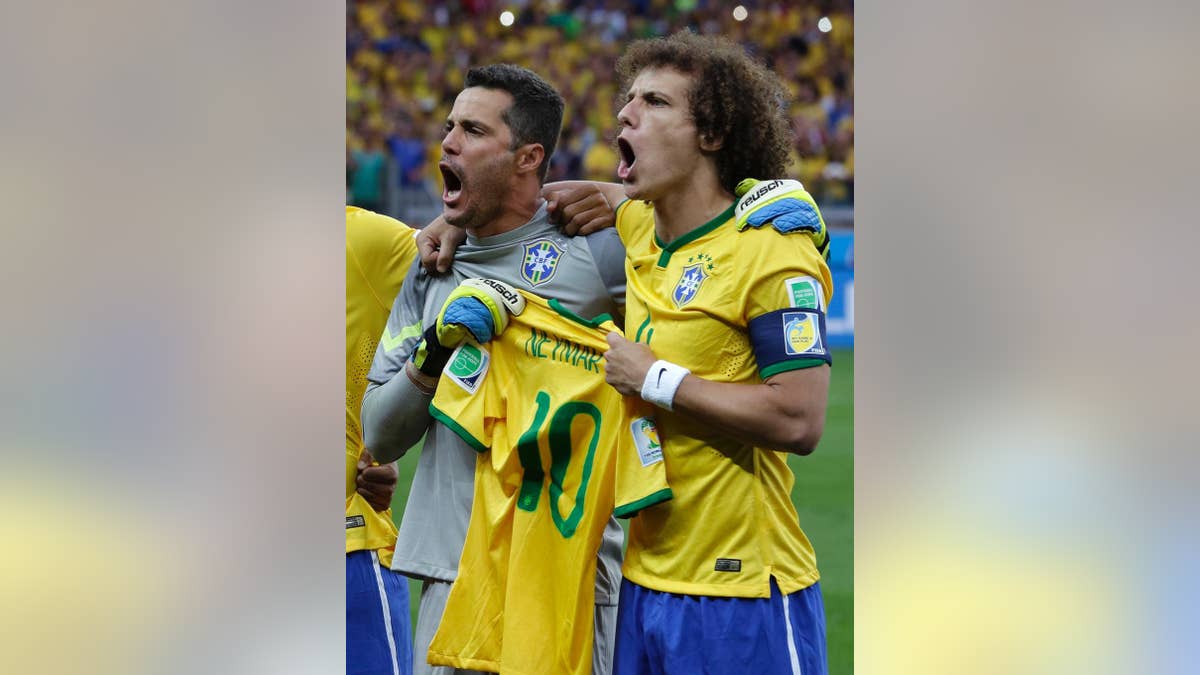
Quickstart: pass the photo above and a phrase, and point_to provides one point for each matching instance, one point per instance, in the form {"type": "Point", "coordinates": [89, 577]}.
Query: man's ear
{"type": "Point", "coordinates": [709, 143]}
{"type": "Point", "coordinates": [529, 157]}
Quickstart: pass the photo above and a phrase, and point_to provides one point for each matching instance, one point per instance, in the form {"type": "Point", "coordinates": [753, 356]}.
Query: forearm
{"type": "Point", "coordinates": [613, 192]}
{"type": "Point", "coordinates": [767, 415]}
{"type": "Point", "coordinates": [786, 412]}
{"type": "Point", "coordinates": [394, 417]}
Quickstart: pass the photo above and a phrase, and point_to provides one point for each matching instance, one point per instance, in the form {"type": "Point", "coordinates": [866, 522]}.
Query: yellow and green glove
{"type": "Point", "coordinates": [786, 205]}
{"type": "Point", "coordinates": [478, 309]}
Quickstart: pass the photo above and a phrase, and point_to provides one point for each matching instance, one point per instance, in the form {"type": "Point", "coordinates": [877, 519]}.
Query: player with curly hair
{"type": "Point", "coordinates": [726, 336]}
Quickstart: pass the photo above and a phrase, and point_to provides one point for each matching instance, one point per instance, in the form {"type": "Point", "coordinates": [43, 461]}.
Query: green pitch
{"type": "Point", "coordinates": [824, 498]}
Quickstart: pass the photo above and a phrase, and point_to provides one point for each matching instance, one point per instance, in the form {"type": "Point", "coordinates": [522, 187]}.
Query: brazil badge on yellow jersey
{"type": "Point", "coordinates": [691, 278]}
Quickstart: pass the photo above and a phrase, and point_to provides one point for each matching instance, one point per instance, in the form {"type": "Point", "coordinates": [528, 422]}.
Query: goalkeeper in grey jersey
{"type": "Point", "coordinates": [499, 138]}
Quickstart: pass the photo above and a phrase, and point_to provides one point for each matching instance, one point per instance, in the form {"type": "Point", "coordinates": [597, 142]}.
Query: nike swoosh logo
{"type": "Point", "coordinates": [637, 267]}
{"type": "Point", "coordinates": [660, 374]}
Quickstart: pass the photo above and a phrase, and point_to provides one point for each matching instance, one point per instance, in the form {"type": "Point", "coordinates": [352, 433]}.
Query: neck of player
{"type": "Point", "coordinates": [688, 205]}
{"type": "Point", "coordinates": [517, 208]}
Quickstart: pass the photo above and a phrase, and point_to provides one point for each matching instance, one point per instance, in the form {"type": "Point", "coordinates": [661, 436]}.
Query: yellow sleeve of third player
{"type": "Point", "coordinates": [379, 252]}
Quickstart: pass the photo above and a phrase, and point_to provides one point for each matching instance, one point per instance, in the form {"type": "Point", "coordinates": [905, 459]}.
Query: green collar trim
{"type": "Point", "coordinates": [590, 323]}
{"type": "Point", "coordinates": [669, 249]}
{"type": "Point", "coordinates": [457, 429]}
{"type": "Point", "coordinates": [630, 510]}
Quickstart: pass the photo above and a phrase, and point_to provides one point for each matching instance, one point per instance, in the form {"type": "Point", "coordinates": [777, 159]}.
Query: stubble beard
{"type": "Point", "coordinates": [486, 205]}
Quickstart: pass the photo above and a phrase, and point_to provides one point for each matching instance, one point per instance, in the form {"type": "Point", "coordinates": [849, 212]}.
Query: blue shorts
{"type": "Point", "coordinates": [378, 628]}
{"type": "Point", "coordinates": [668, 634]}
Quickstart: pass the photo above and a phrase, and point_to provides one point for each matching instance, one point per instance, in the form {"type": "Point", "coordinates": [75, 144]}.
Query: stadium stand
{"type": "Point", "coordinates": [406, 59]}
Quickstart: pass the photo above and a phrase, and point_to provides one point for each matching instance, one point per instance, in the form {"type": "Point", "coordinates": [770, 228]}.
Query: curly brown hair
{"type": "Point", "coordinates": [733, 99]}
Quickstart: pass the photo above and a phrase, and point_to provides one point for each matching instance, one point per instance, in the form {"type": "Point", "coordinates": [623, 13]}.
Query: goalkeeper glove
{"type": "Point", "coordinates": [783, 203]}
{"type": "Point", "coordinates": [479, 309]}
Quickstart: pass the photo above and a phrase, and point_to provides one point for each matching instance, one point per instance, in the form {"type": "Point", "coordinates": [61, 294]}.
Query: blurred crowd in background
{"type": "Point", "coordinates": [406, 61]}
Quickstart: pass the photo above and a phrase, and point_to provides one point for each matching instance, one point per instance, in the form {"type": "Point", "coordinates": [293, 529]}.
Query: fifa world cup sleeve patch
{"type": "Point", "coordinates": [468, 366]}
{"type": "Point", "coordinates": [805, 292]}
{"type": "Point", "coordinates": [641, 475]}
{"type": "Point", "coordinates": [645, 439]}
{"type": "Point", "coordinates": [789, 339]}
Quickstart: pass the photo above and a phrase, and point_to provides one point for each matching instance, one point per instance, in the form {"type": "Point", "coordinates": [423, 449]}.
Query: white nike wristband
{"type": "Point", "coordinates": [662, 380]}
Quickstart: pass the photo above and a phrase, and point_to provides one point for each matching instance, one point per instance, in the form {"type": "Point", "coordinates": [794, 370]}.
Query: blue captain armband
{"type": "Point", "coordinates": [789, 339]}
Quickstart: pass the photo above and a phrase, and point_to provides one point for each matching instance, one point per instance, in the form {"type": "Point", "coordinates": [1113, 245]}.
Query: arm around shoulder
{"type": "Point", "coordinates": [582, 207]}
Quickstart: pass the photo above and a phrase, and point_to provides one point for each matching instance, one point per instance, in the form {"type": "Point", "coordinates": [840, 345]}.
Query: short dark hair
{"type": "Point", "coordinates": [733, 98]}
{"type": "Point", "coordinates": [537, 110]}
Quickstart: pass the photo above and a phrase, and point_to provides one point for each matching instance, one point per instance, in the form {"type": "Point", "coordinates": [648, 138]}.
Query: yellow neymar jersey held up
{"type": "Point", "coordinates": [731, 525]}
{"type": "Point", "coordinates": [560, 451]}
{"type": "Point", "coordinates": [379, 251]}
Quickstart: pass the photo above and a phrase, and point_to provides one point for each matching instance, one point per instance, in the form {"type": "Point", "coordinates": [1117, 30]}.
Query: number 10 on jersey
{"type": "Point", "coordinates": [559, 439]}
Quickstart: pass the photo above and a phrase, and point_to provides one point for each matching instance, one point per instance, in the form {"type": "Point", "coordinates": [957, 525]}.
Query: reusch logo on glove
{"type": "Point", "coordinates": [759, 194]}
{"type": "Point", "coordinates": [505, 292]}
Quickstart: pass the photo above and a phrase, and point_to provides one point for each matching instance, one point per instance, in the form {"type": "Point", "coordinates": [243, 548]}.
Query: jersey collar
{"type": "Point", "coordinates": [669, 249]}
{"type": "Point", "coordinates": [540, 221]}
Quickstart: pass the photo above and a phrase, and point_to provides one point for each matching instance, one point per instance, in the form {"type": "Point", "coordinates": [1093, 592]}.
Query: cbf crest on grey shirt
{"type": "Point", "coordinates": [585, 274]}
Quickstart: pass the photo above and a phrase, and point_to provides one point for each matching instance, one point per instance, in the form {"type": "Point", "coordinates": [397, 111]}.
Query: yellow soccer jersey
{"type": "Point", "coordinates": [379, 251]}
{"type": "Point", "coordinates": [731, 525]}
{"type": "Point", "coordinates": [560, 450]}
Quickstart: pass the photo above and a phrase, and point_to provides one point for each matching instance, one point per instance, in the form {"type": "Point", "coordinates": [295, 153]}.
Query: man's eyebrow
{"type": "Point", "coordinates": [469, 122]}
{"type": "Point", "coordinates": [645, 93]}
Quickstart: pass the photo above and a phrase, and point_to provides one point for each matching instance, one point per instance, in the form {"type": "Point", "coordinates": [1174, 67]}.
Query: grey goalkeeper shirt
{"type": "Point", "coordinates": [586, 274]}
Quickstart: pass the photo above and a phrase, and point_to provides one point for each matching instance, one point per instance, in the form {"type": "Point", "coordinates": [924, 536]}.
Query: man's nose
{"type": "Point", "coordinates": [450, 143]}
{"type": "Point", "coordinates": [626, 116]}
